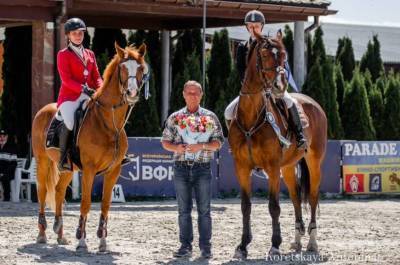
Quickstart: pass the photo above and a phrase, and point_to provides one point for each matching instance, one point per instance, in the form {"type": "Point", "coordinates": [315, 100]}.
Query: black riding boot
{"type": "Point", "coordinates": [297, 128]}
{"type": "Point", "coordinates": [63, 138]}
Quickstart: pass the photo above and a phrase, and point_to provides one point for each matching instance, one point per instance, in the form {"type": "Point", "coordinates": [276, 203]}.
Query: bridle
{"type": "Point", "coordinates": [278, 67]}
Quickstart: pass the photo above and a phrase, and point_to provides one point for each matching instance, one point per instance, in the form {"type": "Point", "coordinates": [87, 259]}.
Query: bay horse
{"type": "Point", "coordinates": [255, 144]}
{"type": "Point", "coordinates": [102, 143]}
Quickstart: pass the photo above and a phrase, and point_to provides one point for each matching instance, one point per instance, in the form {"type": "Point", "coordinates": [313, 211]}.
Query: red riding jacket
{"type": "Point", "coordinates": [72, 72]}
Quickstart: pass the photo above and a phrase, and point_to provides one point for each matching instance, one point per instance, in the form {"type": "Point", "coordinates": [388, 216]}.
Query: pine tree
{"type": "Point", "coordinates": [345, 56]}
{"type": "Point", "coordinates": [234, 85]}
{"type": "Point", "coordinates": [375, 100]}
{"type": "Point", "coordinates": [356, 119]}
{"type": "Point", "coordinates": [381, 84]}
{"type": "Point", "coordinates": [314, 85]}
{"type": "Point", "coordinates": [318, 47]}
{"type": "Point", "coordinates": [391, 114]}
{"type": "Point", "coordinates": [368, 81]}
{"type": "Point", "coordinates": [191, 72]}
{"type": "Point", "coordinates": [309, 44]}
{"type": "Point", "coordinates": [340, 86]}
{"type": "Point", "coordinates": [17, 95]}
{"type": "Point", "coordinates": [219, 68]}
{"type": "Point", "coordinates": [212, 91]}
{"type": "Point", "coordinates": [372, 60]}
{"type": "Point", "coordinates": [289, 44]}
{"type": "Point", "coordinates": [335, 130]}
{"type": "Point", "coordinates": [341, 42]}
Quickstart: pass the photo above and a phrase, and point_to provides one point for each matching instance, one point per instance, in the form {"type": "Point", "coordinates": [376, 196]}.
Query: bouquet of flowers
{"type": "Point", "coordinates": [194, 129]}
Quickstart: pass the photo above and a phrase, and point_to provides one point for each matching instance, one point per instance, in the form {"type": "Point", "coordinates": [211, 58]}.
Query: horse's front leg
{"type": "Point", "coordinates": [109, 181]}
{"type": "Point", "coordinates": [87, 183]}
{"type": "Point", "coordinates": [243, 173]}
{"type": "Point", "coordinates": [274, 208]}
{"type": "Point", "coordinates": [290, 179]}
{"type": "Point", "coordinates": [58, 228]}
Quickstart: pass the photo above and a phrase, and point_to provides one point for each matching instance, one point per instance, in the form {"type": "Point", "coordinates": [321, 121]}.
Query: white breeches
{"type": "Point", "coordinates": [229, 111]}
{"type": "Point", "coordinates": [68, 109]}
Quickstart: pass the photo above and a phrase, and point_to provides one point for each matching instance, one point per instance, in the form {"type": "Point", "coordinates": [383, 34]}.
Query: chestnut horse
{"type": "Point", "coordinates": [254, 143]}
{"type": "Point", "coordinates": [102, 142]}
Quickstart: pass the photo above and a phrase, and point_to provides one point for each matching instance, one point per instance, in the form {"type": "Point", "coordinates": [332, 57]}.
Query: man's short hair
{"type": "Point", "coordinates": [193, 83]}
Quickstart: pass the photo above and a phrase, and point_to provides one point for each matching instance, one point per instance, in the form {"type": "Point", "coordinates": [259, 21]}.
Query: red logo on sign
{"type": "Point", "coordinates": [354, 183]}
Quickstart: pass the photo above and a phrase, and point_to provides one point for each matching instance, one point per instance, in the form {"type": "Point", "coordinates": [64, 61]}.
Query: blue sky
{"type": "Point", "coordinates": [365, 12]}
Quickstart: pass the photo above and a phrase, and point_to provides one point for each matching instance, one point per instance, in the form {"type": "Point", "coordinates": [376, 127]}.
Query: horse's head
{"type": "Point", "coordinates": [132, 71]}
{"type": "Point", "coordinates": [270, 63]}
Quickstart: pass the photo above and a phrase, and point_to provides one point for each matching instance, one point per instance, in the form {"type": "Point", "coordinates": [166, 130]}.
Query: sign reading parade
{"type": "Point", "coordinates": [371, 167]}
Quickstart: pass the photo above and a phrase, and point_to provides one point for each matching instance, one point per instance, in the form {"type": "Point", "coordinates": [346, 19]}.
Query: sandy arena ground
{"type": "Point", "coordinates": [349, 232]}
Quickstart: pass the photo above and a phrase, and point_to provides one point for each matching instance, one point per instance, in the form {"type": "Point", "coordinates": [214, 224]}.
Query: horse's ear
{"type": "Point", "coordinates": [142, 49]}
{"type": "Point", "coordinates": [119, 50]}
{"type": "Point", "coordinates": [279, 35]}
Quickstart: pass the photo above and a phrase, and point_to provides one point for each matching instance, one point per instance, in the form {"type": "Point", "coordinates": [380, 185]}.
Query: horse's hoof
{"type": "Point", "coordinates": [81, 249]}
{"type": "Point", "coordinates": [103, 245]}
{"type": "Point", "coordinates": [312, 247]}
{"type": "Point", "coordinates": [62, 241]}
{"type": "Point", "coordinates": [41, 239]}
{"type": "Point", "coordinates": [240, 254]}
{"type": "Point", "coordinates": [295, 246]}
{"type": "Point", "coordinates": [274, 252]}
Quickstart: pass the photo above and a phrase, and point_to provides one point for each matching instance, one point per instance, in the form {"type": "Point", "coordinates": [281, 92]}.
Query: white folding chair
{"type": "Point", "coordinates": [20, 182]}
{"type": "Point", "coordinates": [20, 165]}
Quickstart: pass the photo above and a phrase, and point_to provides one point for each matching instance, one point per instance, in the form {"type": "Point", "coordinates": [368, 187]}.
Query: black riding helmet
{"type": "Point", "coordinates": [254, 16]}
{"type": "Point", "coordinates": [74, 24]}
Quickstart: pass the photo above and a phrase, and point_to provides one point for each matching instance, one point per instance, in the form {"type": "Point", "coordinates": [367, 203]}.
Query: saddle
{"type": "Point", "coordinates": [52, 136]}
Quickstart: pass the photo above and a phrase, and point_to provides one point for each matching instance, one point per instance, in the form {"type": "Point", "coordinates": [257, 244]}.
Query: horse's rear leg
{"type": "Point", "coordinates": [43, 170]}
{"type": "Point", "coordinates": [87, 183]}
{"type": "Point", "coordinates": [244, 179]}
{"type": "Point", "coordinates": [65, 179]}
{"type": "Point", "coordinates": [109, 181]}
{"type": "Point", "coordinates": [290, 179]}
{"type": "Point", "coordinates": [314, 166]}
{"type": "Point", "coordinates": [274, 207]}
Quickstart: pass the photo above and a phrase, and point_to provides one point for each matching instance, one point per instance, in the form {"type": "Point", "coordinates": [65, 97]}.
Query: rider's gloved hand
{"type": "Point", "coordinates": [88, 91]}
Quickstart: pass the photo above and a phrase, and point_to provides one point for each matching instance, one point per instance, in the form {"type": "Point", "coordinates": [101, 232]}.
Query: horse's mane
{"type": "Point", "coordinates": [113, 64]}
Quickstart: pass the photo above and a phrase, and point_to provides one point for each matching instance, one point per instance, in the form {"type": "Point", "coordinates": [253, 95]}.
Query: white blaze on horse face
{"type": "Point", "coordinates": [280, 82]}
{"type": "Point", "coordinates": [132, 66]}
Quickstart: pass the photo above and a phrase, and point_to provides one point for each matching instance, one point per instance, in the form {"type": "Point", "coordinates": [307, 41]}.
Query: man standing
{"type": "Point", "coordinates": [192, 166]}
{"type": "Point", "coordinates": [8, 163]}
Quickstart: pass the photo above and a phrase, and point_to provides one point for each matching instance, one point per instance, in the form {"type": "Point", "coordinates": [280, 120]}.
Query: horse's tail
{"type": "Point", "coordinates": [304, 181]}
{"type": "Point", "coordinates": [52, 178]}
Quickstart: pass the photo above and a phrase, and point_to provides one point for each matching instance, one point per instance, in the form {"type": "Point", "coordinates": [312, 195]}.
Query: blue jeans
{"type": "Point", "coordinates": [198, 179]}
